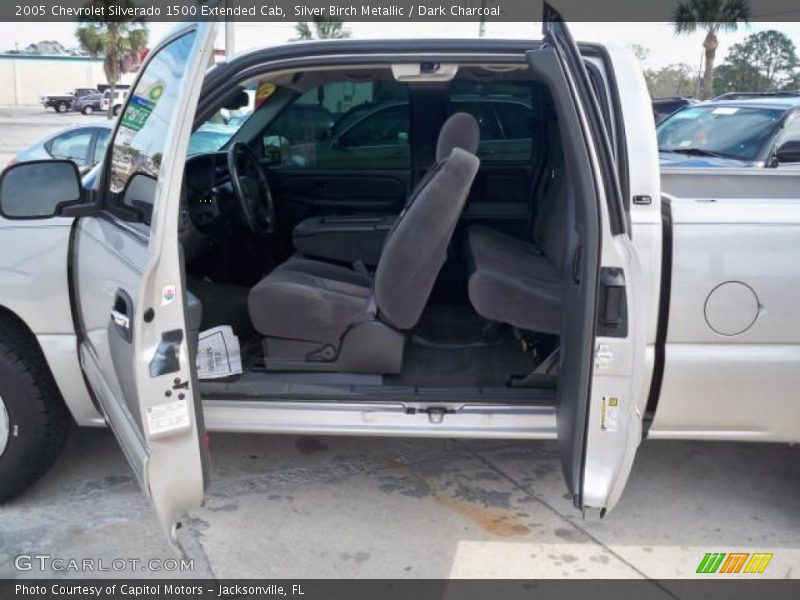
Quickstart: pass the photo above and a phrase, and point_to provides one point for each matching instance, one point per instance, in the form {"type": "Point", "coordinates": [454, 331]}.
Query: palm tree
{"type": "Point", "coordinates": [324, 29]}
{"type": "Point", "coordinates": [711, 16]}
{"type": "Point", "coordinates": [114, 41]}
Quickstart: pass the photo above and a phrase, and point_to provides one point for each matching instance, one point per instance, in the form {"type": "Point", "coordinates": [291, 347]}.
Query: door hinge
{"type": "Point", "coordinates": [612, 312]}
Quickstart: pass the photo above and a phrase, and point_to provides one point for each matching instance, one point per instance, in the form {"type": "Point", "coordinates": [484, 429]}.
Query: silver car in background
{"type": "Point", "coordinates": [85, 145]}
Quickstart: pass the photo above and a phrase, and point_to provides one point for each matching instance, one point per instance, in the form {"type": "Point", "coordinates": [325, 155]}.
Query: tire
{"type": "Point", "coordinates": [34, 422]}
{"type": "Point", "coordinates": [88, 110]}
{"type": "Point", "coordinates": [62, 107]}
{"type": "Point", "coordinates": [116, 110]}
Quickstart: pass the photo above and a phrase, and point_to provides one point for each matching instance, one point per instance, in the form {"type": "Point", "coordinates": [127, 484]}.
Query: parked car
{"type": "Point", "coordinates": [754, 131]}
{"type": "Point", "coordinates": [88, 103]}
{"type": "Point", "coordinates": [85, 145]}
{"type": "Point", "coordinates": [664, 107]}
{"type": "Point", "coordinates": [116, 104]}
{"type": "Point", "coordinates": [746, 95]}
{"type": "Point", "coordinates": [575, 303]}
{"type": "Point", "coordinates": [62, 102]}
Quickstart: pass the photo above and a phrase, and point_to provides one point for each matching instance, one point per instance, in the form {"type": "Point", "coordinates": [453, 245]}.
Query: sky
{"type": "Point", "coordinates": [665, 48]}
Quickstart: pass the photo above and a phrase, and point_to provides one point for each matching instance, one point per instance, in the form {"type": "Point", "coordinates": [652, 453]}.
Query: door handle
{"type": "Point", "coordinates": [121, 314]}
{"type": "Point", "coordinates": [120, 320]}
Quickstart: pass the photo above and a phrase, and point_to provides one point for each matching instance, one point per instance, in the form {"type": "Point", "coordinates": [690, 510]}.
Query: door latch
{"type": "Point", "coordinates": [612, 312]}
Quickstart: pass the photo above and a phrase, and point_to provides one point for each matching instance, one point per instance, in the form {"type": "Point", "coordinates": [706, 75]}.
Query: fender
{"type": "Point", "coordinates": [34, 290]}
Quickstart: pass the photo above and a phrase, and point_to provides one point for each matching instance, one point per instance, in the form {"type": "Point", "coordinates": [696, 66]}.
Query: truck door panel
{"type": "Point", "coordinates": [127, 271]}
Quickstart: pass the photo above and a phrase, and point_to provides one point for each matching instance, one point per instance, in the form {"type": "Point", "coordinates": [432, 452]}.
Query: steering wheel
{"type": "Point", "coordinates": [251, 188]}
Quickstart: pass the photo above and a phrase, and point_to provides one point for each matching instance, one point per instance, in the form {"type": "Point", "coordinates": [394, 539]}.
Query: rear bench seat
{"type": "Point", "coordinates": [521, 283]}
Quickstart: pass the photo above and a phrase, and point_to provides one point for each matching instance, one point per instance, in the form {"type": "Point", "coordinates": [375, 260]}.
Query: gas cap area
{"type": "Point", "coordinates": [731, 308]}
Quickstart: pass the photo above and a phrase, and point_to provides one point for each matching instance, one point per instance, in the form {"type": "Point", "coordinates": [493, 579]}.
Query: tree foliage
{"type": "Point", "coordinates": [766, 60]}
{"type": "Point", "coordinates": [117, 42]}
{"type": "Point", "coordinates": [713, 17]}
{"type": "Point", "coordinates": [672, 80]}
{"type": "Point", "coordinates": [321, 28]}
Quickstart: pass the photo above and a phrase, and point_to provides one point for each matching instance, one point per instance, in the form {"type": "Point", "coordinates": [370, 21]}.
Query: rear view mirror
{"type": "Point", "coordinates": [788, 152]}
{"type": "Point", "coordinates": [39, 189]}
{"type": "Point", "coordinates": [237, 101]}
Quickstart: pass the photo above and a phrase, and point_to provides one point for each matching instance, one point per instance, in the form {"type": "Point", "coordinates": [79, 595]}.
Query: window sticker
{"type": "Point", "coordinates": [264, 90]}
{"type": "Point", "coordinates": [725, 110]}
{"type": "Point", "coordinates": [141, 106]}
{"type": "Point", "coordinates": [171, 416]}
{"type": "Point", "coordinates": [609, 413]}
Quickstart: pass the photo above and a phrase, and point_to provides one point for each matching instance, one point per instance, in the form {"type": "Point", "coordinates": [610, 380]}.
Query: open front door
{"type": "Point", "coordinates": [598, 438]}
{"type": "Point", "coordinates": [132, 307]}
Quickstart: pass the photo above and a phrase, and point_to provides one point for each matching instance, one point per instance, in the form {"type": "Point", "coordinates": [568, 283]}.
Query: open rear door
{"type": "Point", "coordinates": [598, 439]}
{"type": "Point", "coordinates": [128, 281]}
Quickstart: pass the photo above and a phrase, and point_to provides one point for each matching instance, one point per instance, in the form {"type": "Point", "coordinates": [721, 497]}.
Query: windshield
{"type": "Point", "coordinates": [212, 135]}
{"type": "Point", "coordinates": [725, 131]}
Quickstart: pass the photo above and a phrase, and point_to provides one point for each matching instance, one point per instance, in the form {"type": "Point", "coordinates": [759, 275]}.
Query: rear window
{"type": "Point", "coordinates": [507, 113]}
{"type": "Point", "coordinates": [343, 125]}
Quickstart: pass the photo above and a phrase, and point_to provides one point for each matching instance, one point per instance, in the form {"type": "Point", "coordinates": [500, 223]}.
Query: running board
{"type": "Point", "coordinates": [381, 419]}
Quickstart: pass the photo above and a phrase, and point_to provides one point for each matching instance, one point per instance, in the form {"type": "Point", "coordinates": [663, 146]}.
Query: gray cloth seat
{"type": "Point", "coordinates": [517, 282]}
{"type": "Point", "coordinates": [309, 300]}
{"type": "Point", "coordinates": [317, 302]}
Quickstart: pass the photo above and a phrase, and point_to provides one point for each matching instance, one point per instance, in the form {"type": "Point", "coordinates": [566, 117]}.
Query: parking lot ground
{"type": "Point", "coordinates": [292, 507]}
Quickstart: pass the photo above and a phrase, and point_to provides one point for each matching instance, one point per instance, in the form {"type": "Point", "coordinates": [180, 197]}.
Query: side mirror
{"type": "Point", "coordinates": [788, 152]}
{"type": "Point", "coordinates": [39, 189]}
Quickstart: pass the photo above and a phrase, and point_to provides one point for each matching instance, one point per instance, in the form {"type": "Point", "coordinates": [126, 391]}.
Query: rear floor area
{"type": "Point", "coordinates": [453, 346]}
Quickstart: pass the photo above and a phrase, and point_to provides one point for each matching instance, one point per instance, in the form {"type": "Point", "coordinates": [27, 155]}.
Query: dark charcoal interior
{"type": "Point", "coordinates": [398, 254]}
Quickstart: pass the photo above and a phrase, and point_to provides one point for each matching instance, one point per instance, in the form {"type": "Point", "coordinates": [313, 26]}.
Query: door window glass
{"type": "Point", "coordinates": [100, 145]}
{"type": "Point", "coordinates": [343, 125]}
{"type": "Point", "coordinates": [506, 113]}
{"type": "Point", "coordinates": [73, 145]}
{"type": "Point", "coordinates": [138, 146]}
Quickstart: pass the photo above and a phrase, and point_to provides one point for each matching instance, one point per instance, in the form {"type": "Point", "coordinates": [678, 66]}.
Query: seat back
{"type": "Point", "coordinates": [416, 248]}
{"type": "Point", "coordinates": [550, 228]}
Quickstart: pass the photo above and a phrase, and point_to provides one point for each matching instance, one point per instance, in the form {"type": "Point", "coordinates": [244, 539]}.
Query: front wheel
{"type": "Point", "coordinates": [33, 419]}
{"type": "Point", "coordinates": [87, 110]}
{"type": "Point", "coordinates": [62, 107]}
{"type": "Point", "coordinates": [116, 110]}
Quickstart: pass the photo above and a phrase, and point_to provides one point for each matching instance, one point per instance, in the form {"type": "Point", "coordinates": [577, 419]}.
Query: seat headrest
{"type": "Point", "coordinates": [459, 131]}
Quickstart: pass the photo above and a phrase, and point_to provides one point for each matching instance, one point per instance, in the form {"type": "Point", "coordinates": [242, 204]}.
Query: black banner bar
{"type": "Point", "coordinates": [745, 587]}
{"type": "Point", "coordinates": [364, 10]}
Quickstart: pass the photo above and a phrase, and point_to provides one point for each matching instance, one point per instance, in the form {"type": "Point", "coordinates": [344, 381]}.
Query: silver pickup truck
{"type": "Point", "coordinates": [459, 238]}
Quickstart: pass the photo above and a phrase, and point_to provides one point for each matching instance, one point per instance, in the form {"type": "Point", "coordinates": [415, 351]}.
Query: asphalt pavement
{"type": "Point", "coordinates": [304, 507]}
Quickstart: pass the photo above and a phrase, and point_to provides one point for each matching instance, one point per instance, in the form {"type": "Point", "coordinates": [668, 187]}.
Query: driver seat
{"type": "Point", "coordinates": [318, 316]}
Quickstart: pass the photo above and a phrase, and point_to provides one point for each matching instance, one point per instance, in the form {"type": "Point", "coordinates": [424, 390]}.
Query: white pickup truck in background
{"type": "Point", "coordinates": [666, 301]}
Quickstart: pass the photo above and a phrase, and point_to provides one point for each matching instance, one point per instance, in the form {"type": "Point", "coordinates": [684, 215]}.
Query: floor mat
{"type": "Point", "coordinates": [485, 361]}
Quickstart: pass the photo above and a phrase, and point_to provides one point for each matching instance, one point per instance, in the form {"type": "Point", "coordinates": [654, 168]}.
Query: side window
{"type": "Point", "coordinates": [73, 145]}
{"type": "Point", "coordinates": [790, 135]}
{"type": "Point", "coordinates": [515, 119]}
{"type": "Point", "coordinates": [100, 144]}
{"type": "Point", "coordinates": [791, 132]}
{"type": "Point", "coordinates": [138, 145]}
{"type": "Point", "coordinates": [507, 113]}
{"type": "Point", "coordinates": [484, 114]}
{"type": "Point", "coordinates": [343, 125]}
{"type": "Point", "coordinates": [384, 127]}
